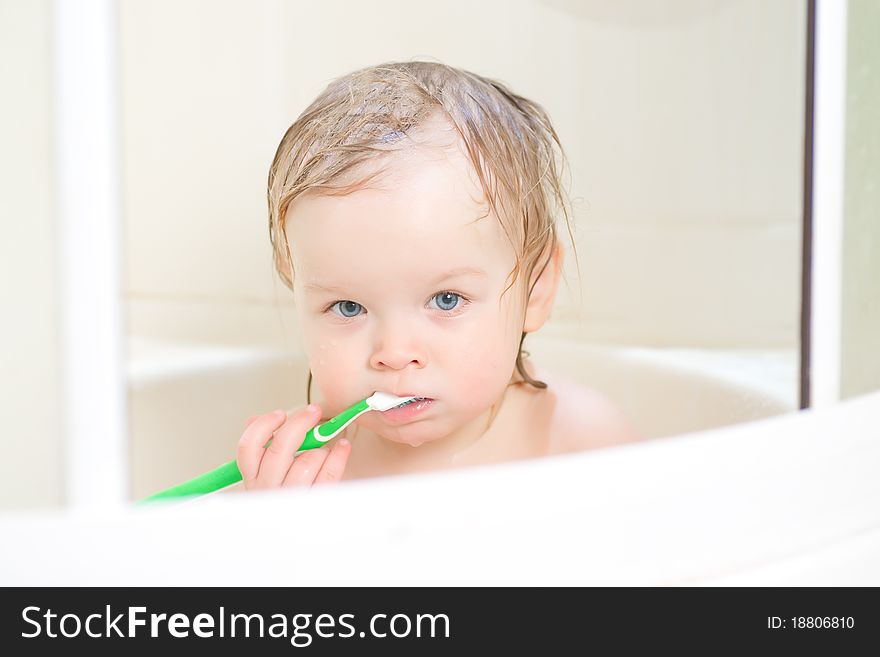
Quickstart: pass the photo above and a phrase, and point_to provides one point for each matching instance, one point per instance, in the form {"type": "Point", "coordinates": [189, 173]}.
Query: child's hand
{"type": "Point", "coordinates": [275, 466]}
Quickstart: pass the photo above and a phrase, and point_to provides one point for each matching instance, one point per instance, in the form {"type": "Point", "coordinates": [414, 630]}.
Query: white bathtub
{"type": "Point", "coordinates": [188, 400]}
{"type": "Point", "coordinates": [790, 500]}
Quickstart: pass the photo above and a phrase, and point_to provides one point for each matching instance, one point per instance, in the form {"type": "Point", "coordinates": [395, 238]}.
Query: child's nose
{"type": "Point", "coordinates": [397, 349]}
{"type": "Point", "coordinates": [395, 359]}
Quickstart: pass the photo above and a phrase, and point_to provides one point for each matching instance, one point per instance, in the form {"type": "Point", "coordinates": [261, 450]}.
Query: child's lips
{"type": "Point", "coordinates": [401, 414]}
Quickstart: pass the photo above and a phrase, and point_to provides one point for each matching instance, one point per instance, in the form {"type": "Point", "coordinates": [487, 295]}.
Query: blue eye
{"type": "Point", "coordinates": [447, 300]}
{"type": "Point", "coordinates": [346, 307]}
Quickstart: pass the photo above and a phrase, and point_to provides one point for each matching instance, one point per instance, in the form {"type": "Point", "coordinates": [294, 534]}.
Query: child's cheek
{"type": "Point", "coordinates": [331, 365]}
{"type": "Point", "coordinates": [484, 368]}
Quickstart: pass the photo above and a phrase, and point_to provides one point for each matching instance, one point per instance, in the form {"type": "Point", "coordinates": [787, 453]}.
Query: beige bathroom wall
{"type": "Point", "coordinates": [860, 298]}
{"type": "Point", "coordinates": [682, 119]}
{"type": "Point", "coordinates": [32, 466]}
{"type": "Point", "coordinates": [691, 162]}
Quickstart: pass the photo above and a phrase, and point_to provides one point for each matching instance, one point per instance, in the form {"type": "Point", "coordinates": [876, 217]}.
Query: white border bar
{"type": "Point", "coordinates": [88, 217]}
{"type": "Point", "coordinates": [829, 139]}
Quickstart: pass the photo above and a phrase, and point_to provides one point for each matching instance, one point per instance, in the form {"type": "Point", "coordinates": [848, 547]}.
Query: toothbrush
{"type": "Point", "coordinates": [228, 473]}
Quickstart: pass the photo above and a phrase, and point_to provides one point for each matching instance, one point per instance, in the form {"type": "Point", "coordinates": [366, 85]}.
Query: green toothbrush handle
{"type": "Point", "coordinates": [228, 473]}
{"type": "Point", "coordinates": [317, 436]}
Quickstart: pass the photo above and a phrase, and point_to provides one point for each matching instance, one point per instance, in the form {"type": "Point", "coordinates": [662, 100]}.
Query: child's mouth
{"type": "Point", "coordinates": [408, 410]}
{"type": "Point", "coordinates": [411, 401]}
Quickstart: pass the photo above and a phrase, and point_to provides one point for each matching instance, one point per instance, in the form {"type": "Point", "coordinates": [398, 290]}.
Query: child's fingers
{"type": "Point", "coordinates": [250, 446]}
{"type": "Point", "coordinates": [254, 417]}
{"type": "Point", "coordinates": [306, 467]}
{"type": "Point", "coordinates": [334, 465]}
{"type": "Point", "coordinates": [278, 456]}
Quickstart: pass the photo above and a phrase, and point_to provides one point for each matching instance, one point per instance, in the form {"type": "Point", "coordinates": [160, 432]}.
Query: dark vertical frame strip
{"type": "Point", "coordinates": [807, 231]}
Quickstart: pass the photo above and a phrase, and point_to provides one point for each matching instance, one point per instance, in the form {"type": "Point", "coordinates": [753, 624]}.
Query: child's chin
{"type": "Point", "coordinates": [412, 436]}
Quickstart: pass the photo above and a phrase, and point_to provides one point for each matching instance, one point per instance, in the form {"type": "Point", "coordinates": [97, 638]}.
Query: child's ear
{"type": "Point", "coordinates": [540, 302]}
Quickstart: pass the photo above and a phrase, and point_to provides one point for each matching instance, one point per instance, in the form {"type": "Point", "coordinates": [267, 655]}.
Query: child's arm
{"type": "Point", "coordinates": [275, 466]}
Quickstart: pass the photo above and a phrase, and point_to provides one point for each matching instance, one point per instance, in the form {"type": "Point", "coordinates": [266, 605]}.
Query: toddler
{"type": "Point", "coordinates": [412, 213]}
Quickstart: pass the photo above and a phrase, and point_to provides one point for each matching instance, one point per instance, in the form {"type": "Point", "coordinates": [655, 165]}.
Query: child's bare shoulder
{"type": "Point", "coordinates": [585, 418]}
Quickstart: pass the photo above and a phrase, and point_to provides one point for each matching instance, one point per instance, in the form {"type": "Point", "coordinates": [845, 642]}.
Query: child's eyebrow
{"type": "Point", "coordinates": [460, 271]}
{"type": "Point", "coordinates": [452, 273]}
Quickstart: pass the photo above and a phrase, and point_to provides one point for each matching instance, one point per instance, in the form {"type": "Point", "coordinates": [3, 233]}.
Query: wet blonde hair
{"type": "Point", "coordinates": [371, 112]}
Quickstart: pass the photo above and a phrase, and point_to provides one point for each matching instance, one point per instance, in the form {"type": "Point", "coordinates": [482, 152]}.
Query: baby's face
{"type": "Point", "coordinates": [398, 289]}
